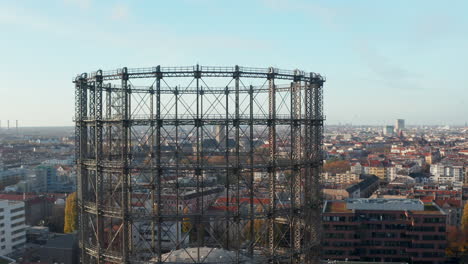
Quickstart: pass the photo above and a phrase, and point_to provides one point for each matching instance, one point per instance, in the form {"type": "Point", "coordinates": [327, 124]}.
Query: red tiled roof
{"type": "Point", "coordinates": [451, 202]}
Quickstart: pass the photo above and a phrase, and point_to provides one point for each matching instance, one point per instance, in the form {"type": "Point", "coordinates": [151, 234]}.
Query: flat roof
{"type": "Point", "coordinates": [385, 204]}
{"type": "Point", "coordinates": [415, 206]}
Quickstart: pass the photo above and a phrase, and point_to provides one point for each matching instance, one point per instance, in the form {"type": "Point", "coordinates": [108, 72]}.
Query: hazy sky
{"type": "Point", "coordinates": [383, 59]}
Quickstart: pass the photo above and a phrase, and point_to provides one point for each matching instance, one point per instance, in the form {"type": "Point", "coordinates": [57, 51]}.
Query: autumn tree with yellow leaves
{"type": "Point", "coordinates": [71, 214]}
{"type": "Point", "coordinates": [458, 239]}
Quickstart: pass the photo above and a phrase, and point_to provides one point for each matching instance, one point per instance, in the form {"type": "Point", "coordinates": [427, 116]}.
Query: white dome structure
{"type": "Point", "coordinates": [207, 255]}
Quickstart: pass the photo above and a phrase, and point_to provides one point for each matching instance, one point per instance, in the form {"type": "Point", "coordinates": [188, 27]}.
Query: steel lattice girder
{"type": "Point", "coordinates": [145, 153]}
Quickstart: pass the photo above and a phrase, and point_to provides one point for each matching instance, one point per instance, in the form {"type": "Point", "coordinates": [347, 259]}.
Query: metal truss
{"type": "Point", "coordinates": [199, 157]}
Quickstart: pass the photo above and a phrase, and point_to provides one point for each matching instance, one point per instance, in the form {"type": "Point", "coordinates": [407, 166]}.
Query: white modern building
{"type": "Point", "coordinates": [12, 226]}
{"type": "Point", "coordinates": [172, 235]}
{"type": "Point", "coordinates": [341, 178]}
{"type": "Point", "coordinates": [445, 173]}
{"type": "Point", "coordinates": [391, 173]}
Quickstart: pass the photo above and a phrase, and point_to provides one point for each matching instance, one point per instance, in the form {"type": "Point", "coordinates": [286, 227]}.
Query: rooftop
{"type": "Point", "coordinates": [385, 204]}
{"type": "Point", "coordinates": [380, 204]}
{"type": "Point", "coordinates": [207, 255]}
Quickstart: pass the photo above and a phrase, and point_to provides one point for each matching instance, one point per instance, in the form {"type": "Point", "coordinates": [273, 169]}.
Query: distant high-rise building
{"type": "Point", "coordinates": [388, 130]}
{"type": "Point", "coordinates": [399, 125]}
{"type": "Point", "coordinates": [220, 135]}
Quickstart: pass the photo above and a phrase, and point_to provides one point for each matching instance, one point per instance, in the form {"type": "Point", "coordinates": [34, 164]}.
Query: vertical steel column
{"type": "Point", "coordinates": [177, 161]}
{"type": "Point", "coordinates": [292, 144]}
{"type": "Point", "coordinates": [197, 75]}
{"type": "Point", "coordinates": [226, 159]}
{"type": "Point", "coordinates": [296, 160]}
{"type": "Point", "coordinates": [109, 117]}
{"type": "Point", "coordinates": [308, 199]}
{"type": "Point", "coordinates": [92, 116]}
{"type": "Point", "coordinates": [98, 151]}
{"type": "Point", "coordinates": [237, 166]}
{"type": "Point", "coordinates": [108, 177]}
{"type": "Point", "coordinates": [152, 172]}
{"type": "Point", "coordinates": [81, 154]}
{"type": "Point", "coordinates": [251, 165]}
{"type": "Point", "coordinates": [201, 165]}
{"type": "Point", "coordinates": [272, 165]}
{"type": "Point", "coordinates": [126, 238]}
{"type": "Point", "coordinates": [316, 157]}
{"type": "Point", "coordinates": [158, 159]}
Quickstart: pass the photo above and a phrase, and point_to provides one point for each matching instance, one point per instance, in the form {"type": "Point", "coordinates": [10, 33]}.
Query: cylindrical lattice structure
{"type": "Point", "coordinates": [199, 165]}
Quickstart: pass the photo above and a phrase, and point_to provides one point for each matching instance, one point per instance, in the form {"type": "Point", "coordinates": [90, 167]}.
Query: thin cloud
{"type": "Point", "coordinates": [120, 12]}
{"type": "Point", "coordinates": [328, 16]}
{"type": "Point", "coordinates": [390, 73]}
{"type": "Point", "coordinates": [84, 4]}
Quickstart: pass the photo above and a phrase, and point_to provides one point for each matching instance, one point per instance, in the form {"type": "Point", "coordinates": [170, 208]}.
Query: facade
{"type": "Point", "coordinates": [388, 130]}
{"type": "Point", "coordinates": [59, 248]}
{"type": "Point", "coordinates": [365, 188]}
{"type": "Point", "coordinates": [399, 125]}
{"type": "Point", "coordinates": [340, 178]}
{"type": "Point", "coordinates": [446, 173]}
{"type": "Point", "coordinates": [37, 207]}
{"type": "Point", "coordinates": [11, 176]}
{"type": "Point", "coordinates": [384, 230]}
{"type": "Point", "coordinates": [12, 226]}
{"type": "Point", "coordinates": [379, 171]}
{"type": "Point", "coordinates": [46, 177]}
{"type": "Point", "coordinates": [362, 189]}
{"type": "Point", "coordinates": [391, 173]}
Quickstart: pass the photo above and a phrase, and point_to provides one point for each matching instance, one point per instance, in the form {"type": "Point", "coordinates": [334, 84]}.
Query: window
{"type": "Point", "coordinates": [433, 237]}
{"type": "Point", "coordinates": [18, 231]}
{"type": "Point", "coordinates": [17, 217]}
{"type": "Point", "coordinates": [433, 220]}
{"type": "Point", "coordinates": [432, 254]}
{"type": "Point", "coordinates": [17, 238]}
{"type": "Point", "coordinates": [334, 252]}
{"type": "Point", "coordinates": [344, 227]}
{"type": "Point", "coordinates": [17, 224]}
{"type": "Point", "coordinates": [395, 226]}
{"type": "Point", "coordinates": [415, 245]}
{"type": "Point", "coordinates": [334, 218]}
{"type": "Point", "coordinates": [383, 235]}
{"type": "Point", "coordinates": [423, 228]}
{"type": "Point", "coordinates": [334, 235]}
{"type": "Point", "coordinates": [17, 210]}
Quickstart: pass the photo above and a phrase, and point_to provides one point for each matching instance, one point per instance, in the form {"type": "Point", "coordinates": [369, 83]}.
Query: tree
{"type": "Point", "coordinates": [465, 219]}
{"type": "Point", "coordinates": [457, 239]}
{"type": "Point", "coordinates": [71, 214]}
{"type": "Point", "coordinates": [338, 166]}
{"type": "Point", "coordinates": [186, 225]}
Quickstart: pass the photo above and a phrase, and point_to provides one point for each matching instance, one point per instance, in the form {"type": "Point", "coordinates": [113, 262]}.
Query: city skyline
{"type": "Point", "coordinates": [404, 64]}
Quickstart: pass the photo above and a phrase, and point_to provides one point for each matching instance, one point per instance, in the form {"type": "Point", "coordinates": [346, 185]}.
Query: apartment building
{"type": "Point", "coordinates": [384, 230]}
{"type": "Point", "coordinates": [447, 173]}
{"type": "Point", "coordinates": [12, 226]}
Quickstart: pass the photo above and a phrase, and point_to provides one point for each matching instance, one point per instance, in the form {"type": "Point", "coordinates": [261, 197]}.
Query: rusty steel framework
{"type": "Point", "coordinates": [199, 157]}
